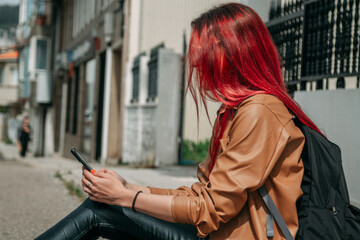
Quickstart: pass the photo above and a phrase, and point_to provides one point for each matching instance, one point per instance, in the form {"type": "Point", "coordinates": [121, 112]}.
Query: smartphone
{"type": "Point", "coordinates": [81, 159]}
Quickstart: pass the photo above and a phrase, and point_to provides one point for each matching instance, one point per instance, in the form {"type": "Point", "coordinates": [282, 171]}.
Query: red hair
{"type": "Point", "coordinates": [232, 57]}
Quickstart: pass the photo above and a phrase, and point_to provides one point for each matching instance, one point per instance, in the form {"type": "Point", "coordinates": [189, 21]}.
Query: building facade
{"type": "Point", "coordinates": [89, 53]}
{"type": "Point", "coordinates": [8, 78]}
{"type": "Point", "coordinates": [35, 44]}
{"type": "Point", "coordinates": [8, 96]}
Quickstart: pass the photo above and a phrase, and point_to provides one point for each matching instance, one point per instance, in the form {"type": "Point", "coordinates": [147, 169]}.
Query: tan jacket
{"type": "Point", "coordinates": [260, 145]}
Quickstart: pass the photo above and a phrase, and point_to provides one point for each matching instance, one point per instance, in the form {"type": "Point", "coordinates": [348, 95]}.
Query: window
{"type": "Point", "coordinates": [135, 91]}
{"type": "Point", "coordinates": [152, 88]}
{"type": "Point", "coordinates": [14, 76]}
{"type": "Point", "coordinates": [136, 78]}
{"type": "Point", "coordinates": [153, 72]}
{"type": "Point", "coordinates": [2, 76]}
{"type": "Point", "coordinates": [41, 54]}
{"type": "Point", "coordinates": [40, 7]}
{"type": "Point", "coordinates": [28, 9]}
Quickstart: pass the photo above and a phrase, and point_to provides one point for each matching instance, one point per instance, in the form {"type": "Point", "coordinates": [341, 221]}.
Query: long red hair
{"type": "Point", "coordinates": [231, 57]}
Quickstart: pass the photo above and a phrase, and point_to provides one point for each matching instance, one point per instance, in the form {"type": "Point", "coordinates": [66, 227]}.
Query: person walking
{"type": "Point", "coordinates": [23, 136]}
{"type": "Point", "coordinates": [231, 60]}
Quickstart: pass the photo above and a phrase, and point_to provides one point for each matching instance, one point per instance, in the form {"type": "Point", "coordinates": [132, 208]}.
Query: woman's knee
{"type": "Point", "coordinates": [75, 225]}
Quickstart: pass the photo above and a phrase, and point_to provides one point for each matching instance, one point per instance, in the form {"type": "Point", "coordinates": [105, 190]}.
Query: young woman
{"type": "Point", "coordinates": [232, 60]}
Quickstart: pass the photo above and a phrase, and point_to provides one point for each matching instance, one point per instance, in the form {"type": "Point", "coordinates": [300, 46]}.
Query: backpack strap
{"type": "Point", "coordinates": [270, 233]}
{"type": "Point", "coordinates": [274, 212]}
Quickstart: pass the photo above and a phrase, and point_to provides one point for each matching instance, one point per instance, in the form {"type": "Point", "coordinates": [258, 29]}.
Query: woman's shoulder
{"type": "Point", "coordinates": [266, 104]}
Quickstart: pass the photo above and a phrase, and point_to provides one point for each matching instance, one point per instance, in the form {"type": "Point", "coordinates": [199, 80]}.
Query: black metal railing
{"type": "Point", "coordinates": [317, 39]}
{"type": "Point", "coordinates": [153, 72]}
{"type": "Point", "coordinates": [136, 78]}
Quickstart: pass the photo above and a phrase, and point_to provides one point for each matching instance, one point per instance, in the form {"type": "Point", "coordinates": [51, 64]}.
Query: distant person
{"type": "Point", "coordinates": [23, 136]}
{"type": "Point", "coordinates": [232, 60]}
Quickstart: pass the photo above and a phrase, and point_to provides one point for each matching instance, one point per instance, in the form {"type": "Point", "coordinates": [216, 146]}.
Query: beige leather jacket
{"type": "Point", "coordinates": [260, 145]}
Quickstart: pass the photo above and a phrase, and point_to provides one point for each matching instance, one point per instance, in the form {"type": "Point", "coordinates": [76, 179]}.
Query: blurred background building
{"type": "Point", "coordinates": [89, 55]}
{"type": "Point", "coordinates": [35, 45]}
{"type": "Point", "coordinates": [9, 108]}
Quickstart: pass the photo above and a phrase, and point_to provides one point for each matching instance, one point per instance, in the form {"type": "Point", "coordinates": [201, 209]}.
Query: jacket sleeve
{"type": "Point", "coordinates": [255, 141]}
{"type": "Point", "coordinates": [181, 191]}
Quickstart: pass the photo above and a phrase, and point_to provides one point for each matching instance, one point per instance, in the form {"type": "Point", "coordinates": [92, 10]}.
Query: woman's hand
{"type": "Point", "coordinates": [113, 173]}
{"type": "Point", "coordinates": [106, 187]}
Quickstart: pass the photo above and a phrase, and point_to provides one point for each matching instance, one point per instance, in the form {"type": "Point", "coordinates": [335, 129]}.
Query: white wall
{"type": "Point", "coordinates": [156, 21]}
{"type": "Point", "coordinates": [337, 114]}
{"type": "Point", "coordinates": [262, 7]}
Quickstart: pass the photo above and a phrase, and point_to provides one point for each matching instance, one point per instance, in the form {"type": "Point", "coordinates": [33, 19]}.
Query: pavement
{"type": "Point", "coordinates": [33, 199]}
{"type": "Point", "coordinates": [70, 170]}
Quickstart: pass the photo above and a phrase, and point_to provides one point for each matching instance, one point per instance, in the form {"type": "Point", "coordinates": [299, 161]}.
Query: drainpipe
{"type": "Point", "coordinates": [108, 31]}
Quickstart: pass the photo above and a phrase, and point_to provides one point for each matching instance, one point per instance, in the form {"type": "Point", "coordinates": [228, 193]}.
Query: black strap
{"type": "Point", "coordinates": [275, 212]}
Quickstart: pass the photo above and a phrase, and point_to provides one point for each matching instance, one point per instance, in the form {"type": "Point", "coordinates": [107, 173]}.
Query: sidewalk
{"type": "Point", "coordinates": [70, 170]}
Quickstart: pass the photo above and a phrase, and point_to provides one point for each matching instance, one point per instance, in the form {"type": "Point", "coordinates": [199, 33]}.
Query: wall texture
{"type": "Point", "coordinates": [337, 114]}
{"type": "Point", "coordinates": [167, 111]}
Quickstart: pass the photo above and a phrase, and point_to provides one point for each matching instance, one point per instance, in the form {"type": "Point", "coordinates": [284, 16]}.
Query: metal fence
{"type": "Point", "coordinates": [317, 39]}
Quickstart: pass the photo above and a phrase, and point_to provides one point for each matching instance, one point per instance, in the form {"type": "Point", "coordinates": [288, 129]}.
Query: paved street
{"type": "Point", "coordinates": [32, 199]}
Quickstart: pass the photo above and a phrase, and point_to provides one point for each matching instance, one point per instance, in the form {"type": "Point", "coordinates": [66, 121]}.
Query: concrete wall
{"type": "Point", "coordinates": [131, 142]}
{"type": "Point", "coordinates": [151, 127]}
{"type": "Point", "coordinates": [168, 110]}
{"type": "Point", "coordinates": [337, 114]}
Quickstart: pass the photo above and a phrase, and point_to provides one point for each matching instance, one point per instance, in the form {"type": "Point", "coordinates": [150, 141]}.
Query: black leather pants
{"type": "Point", "coordinates": [92, 219]}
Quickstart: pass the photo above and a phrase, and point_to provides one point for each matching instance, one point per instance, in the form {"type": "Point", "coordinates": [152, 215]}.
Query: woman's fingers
{"type": "Point", "coordinates": [90, 177]}
{"type": "Point", "coordinates": [87, 189]}
{"type": "Point", "coordinates": [102, 187]}
{"type": "Point", "coordinates": [104, 170]}
{"type": "Point", "coordinates": [101, 174]}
